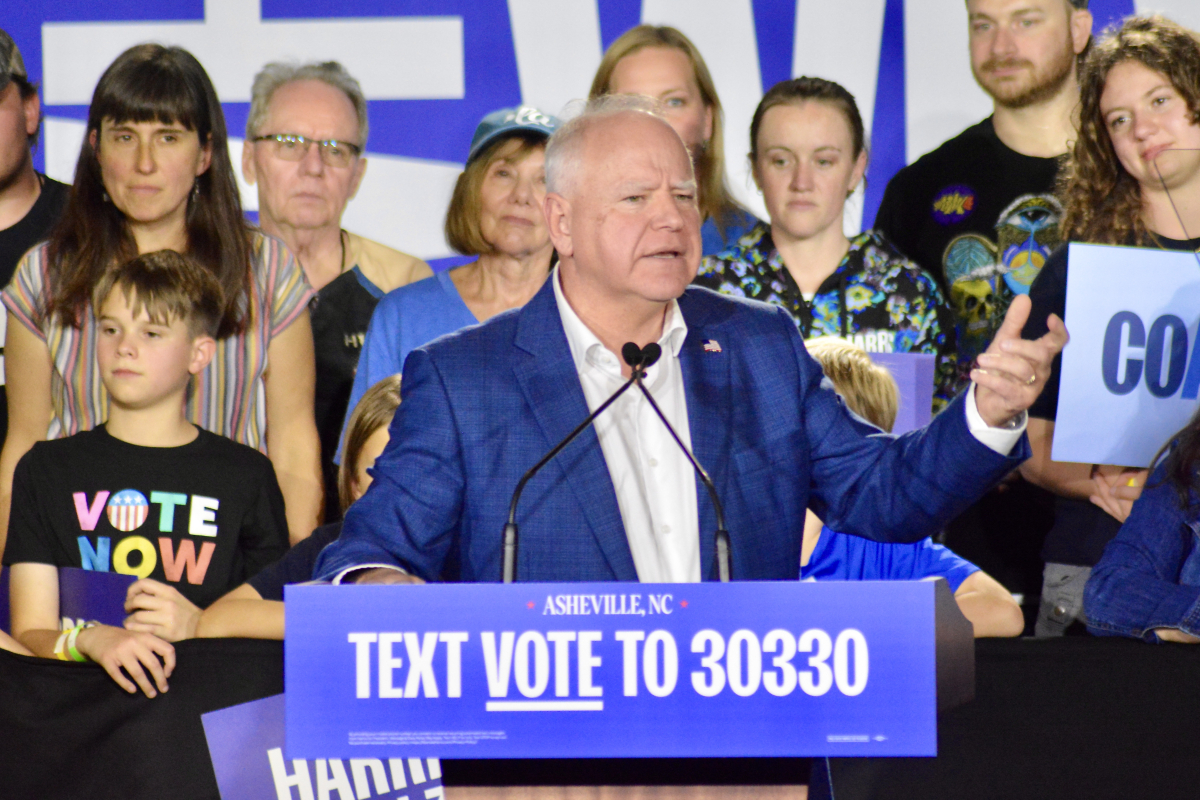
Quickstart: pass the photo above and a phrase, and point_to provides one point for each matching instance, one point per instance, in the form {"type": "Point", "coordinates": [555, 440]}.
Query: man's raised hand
{"type": "Point", "coordinates": [1013, 371]}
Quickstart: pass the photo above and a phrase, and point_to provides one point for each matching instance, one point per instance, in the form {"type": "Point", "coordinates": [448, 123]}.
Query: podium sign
{"type": "Point", "coordinates": [607, 670]}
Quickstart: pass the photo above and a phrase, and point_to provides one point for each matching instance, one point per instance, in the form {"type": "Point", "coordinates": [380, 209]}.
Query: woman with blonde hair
{"type": "Point", "coordinates": [660, 62]}
{"type": "Point", "coordinates": [1132, 178]}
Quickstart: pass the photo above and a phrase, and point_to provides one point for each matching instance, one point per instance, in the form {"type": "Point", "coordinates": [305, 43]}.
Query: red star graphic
{"type": "Point", "coordinates": [683, 603]}
{"type": "Point", "coordinates": [529, 604]}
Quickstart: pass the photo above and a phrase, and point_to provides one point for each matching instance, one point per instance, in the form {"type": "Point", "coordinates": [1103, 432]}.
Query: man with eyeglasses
{"type": "Point", "coordinates": [30, 202]}
{"type": "Point", "coordinates": [305, 139]}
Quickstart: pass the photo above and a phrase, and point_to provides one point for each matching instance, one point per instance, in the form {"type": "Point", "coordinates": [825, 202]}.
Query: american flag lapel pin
{"type": "Point", "coordinates": [712, 346]}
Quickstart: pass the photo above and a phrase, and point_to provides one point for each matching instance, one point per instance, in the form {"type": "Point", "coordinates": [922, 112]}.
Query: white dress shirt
{"type": "Point", "coordinates": [653, 479]}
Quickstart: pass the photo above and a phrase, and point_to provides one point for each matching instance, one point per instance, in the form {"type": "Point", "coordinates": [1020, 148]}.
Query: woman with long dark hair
{"type": "Point", "coordinates": [1132, 178]}
{"type": "Point", "coordinates": [154, 173]}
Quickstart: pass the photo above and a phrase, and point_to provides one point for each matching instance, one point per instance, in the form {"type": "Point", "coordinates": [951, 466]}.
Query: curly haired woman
{"type": "Point", "coordinates": [1133, 178]}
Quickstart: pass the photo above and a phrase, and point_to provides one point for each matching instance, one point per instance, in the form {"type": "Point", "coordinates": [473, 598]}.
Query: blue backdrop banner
{"type": "Point", "coordinates": [579, 670]}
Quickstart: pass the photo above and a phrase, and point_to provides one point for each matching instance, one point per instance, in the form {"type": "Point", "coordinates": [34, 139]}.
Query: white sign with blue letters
{"type": "Point", "coordinates": [578, 670]}
{"type": "Point", "coordinates": [1131, 372]}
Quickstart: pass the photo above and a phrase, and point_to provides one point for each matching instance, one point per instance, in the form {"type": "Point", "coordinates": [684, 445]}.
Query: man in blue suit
{"type": "Point", "coordinates": [621, 503]}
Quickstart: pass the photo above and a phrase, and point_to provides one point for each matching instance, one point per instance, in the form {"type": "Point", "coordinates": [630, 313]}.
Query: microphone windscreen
{"type": "Point", "coordinates": [632, 354]}
{"type": "Point", "coordinates": [650, 354]}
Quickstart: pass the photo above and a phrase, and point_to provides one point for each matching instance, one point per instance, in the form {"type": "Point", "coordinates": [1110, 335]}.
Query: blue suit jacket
{"type": "Point", "coordinates": [482, 405]}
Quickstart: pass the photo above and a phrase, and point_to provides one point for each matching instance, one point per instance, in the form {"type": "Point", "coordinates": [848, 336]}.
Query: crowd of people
{"type": "Point", "coordinates": [236, 388]}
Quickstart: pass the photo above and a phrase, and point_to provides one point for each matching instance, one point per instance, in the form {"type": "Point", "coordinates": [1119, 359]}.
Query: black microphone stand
{"type": "Point", "coordinates": [645, 357]}
{"type": "Point", "coordinates": [509, 563]}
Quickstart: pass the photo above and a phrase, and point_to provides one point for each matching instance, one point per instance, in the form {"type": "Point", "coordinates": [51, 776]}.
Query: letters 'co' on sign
{"type": "Point", "coordinates": [1131, 372]}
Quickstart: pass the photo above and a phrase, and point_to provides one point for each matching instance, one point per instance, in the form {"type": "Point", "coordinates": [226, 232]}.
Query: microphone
{"type": "Point", "coordinates": [635, 358]}
{"type": "Point", "coordinates": [644, 358]}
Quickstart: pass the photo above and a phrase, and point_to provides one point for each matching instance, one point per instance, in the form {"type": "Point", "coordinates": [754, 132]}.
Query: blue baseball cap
{"type": "Point", "coordinates": [511, 120]}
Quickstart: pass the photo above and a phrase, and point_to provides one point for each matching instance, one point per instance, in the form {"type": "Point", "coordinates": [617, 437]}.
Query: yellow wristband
{"type": "Point", "coordinates": [75, 654]}
{"type": "Point", "coordinates": [58, 646]}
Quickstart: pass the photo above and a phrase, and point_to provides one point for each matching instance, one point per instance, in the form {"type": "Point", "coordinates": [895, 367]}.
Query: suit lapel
{"type": "Point", "coordinates": [706, 384]}
{"type": "Point", "coordinates": [550, 384]}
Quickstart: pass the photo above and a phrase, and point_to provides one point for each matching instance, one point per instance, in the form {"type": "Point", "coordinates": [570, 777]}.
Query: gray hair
{"type": "Point", "coordinates": [565, 148]}
{"type": "Point", "coordinates": [278, 74]}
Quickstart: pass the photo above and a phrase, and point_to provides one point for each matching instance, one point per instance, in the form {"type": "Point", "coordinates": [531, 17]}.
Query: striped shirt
{"type": "Point", "coordinates": [227, 398]}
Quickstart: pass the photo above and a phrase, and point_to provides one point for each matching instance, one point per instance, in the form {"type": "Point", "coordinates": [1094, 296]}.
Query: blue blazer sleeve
{"type": "Point", "coordinates": [1141, 581]}
{"type": "Point", "coordinates": [892, 489]}
{"type": "Point", "coordinates": [412, 510]}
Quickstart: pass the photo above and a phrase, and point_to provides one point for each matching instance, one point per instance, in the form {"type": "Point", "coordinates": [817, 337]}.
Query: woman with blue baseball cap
{"type": "Point", "coordinates": [496, 214]}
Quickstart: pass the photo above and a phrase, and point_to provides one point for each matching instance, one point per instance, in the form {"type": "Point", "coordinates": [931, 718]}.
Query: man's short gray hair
{"type": "Point", "coordinates": [565, 148]}
{"type": "Point", "coordinates": [278, 74]}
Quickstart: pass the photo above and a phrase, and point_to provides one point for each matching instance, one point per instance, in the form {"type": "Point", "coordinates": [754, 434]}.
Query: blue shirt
{"type": "Point", "coordinates": [405, 319]}
{"type": "Point", "coordinates": [737, 224]}
{"type": "Point", "coordinates": [1149, 575]}
{"type": "Point", "coordinates": [842, 557]}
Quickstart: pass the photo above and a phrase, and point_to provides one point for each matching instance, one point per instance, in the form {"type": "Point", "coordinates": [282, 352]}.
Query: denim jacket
{"type": "Point", "coordinates": [1149, 575]}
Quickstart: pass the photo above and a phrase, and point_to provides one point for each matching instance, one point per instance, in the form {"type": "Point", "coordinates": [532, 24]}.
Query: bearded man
{"type": "Point", "coordinates": [979, 212]}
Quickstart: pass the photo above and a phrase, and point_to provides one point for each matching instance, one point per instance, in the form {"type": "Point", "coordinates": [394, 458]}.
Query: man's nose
{"type": "Point", "coordinates": [312, 164]}
{"type": "Point", "coordinates": [1004, 41]}
{"type": "Point", "coordinates": [667, 213]}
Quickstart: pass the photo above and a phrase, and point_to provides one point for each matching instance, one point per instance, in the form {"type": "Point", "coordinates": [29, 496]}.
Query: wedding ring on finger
{"type": "Point", "coordinates": [1032, 380]}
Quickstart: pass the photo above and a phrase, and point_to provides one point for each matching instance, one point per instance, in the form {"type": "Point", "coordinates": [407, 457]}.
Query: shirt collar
{"type": "Point", "coordinates": [586, 347]}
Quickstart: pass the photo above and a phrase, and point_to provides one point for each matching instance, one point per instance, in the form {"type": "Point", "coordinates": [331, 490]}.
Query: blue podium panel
{"type": "Point", "coordinates": [577, 670]}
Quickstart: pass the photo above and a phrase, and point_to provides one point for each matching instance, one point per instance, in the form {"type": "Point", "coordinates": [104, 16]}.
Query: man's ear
{"type": "Point", "coordinates": [248, 170]}
{"type": "Point", "coordinates": [558, 221]}
{"type": "Point", "coordinates": [1081, 29]}
{"type": "Point", "coordinates": [32, 107]}
{"type": "Point", "coordinates": [203, 350]}
{"type": "Point", "coordinates": [360, 169]}
{"type": "Point", "coordinates": [93, 137]}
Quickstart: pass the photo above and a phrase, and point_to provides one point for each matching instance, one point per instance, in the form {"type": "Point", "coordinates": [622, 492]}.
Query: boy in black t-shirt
{"type": "Point", "coordinates": [147, 493]}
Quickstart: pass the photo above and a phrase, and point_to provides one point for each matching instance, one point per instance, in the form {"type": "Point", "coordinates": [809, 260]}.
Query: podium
{"type": "Point", "coordinates": [575, 670]}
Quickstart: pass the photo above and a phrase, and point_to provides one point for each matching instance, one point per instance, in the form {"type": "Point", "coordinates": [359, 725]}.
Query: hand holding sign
{"type": "Point", "coordinates": [1013, 371]}
{"type": "Point", "coordinates": [1117, 488]}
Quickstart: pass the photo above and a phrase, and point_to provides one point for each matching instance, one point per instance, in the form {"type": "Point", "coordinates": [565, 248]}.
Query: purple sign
{"type": "Point", "coordinates": [245, 743]}
{"type": "Point", "coordinates": [914, 376]}
{"type": "Point", "coordinates": [85, 594]}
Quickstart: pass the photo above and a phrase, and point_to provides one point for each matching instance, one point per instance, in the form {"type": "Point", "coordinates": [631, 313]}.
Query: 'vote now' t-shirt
{"type": "Point", "coordinates": [203, 517]}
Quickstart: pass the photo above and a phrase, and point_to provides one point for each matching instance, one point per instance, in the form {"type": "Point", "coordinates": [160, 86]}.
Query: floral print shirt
{"type": "Point", "coordinates": [876, 298]}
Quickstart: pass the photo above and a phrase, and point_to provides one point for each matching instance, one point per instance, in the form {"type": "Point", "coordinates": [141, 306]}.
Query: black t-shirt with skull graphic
{"type": "Point", "coordinates": [982, 218]}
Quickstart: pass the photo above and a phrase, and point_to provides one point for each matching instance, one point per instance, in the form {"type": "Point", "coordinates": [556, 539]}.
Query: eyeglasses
{"type": "Point", "coordinates": [294, 147]}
